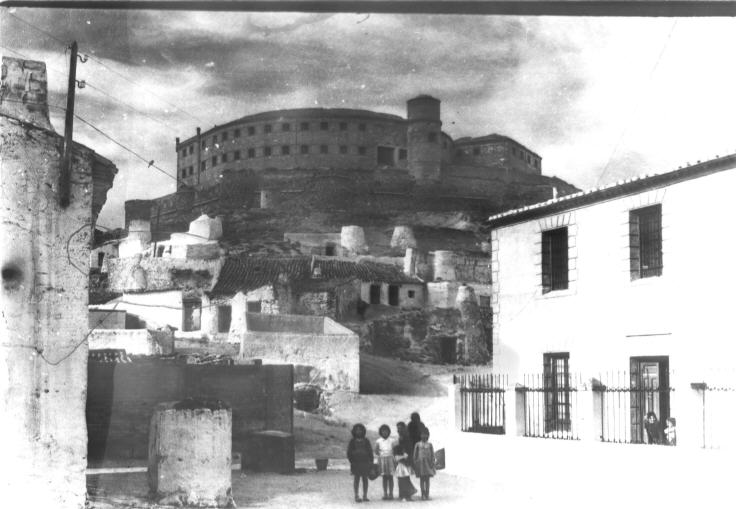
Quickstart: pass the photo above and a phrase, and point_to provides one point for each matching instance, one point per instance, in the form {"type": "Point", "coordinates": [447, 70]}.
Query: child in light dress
{"type": "Point", "coordinates": [386, 463]}
{"type": "Point", "coordinates": [424, 462]}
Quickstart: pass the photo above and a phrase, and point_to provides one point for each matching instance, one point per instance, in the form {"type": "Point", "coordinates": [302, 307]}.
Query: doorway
{"type": "Point", "coordinates": [375, 294]}
{"type": "Point", "coordinates": [650, 392]}
{"type": "Point", "coordinates": [448, 350]}
{"type": "Point", "coordinates": [393, 295]}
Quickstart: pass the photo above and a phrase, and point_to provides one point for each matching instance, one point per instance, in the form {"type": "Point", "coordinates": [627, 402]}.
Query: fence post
{"type": "Point", "coordinates": [454, 406]}
{"type": "Point", "coordinates": [515, 399]}
{"type": "Point", "coordinates": [591, 416]}
{"type": "Point", "coordinates": [691, 424]}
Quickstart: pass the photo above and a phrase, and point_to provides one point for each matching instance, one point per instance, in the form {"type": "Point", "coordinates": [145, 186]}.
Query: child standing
{"type": "Point", "coordinates": [670, 432]}
{"type": "Point", "coordinates": [386, 461]}
{"type": "Point", "coordinates": [360, 455]}
{"type": "Point", "coordinates": [424, 462]}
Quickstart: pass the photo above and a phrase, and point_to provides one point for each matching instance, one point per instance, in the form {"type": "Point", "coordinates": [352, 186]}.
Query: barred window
{"type": "Point", "coordinates": [304, 126]}
{"type": "Point", "coordinates": [224, 158]}
{"type": "Point", "coordinates": [224, 136]}
{"type": "Point", "coordinates": [203, 166]}
{"type": "Point", "coordinates": [266, 151]}
{"type": "Point", "coordinates": [214, 160]}
{"type": "Point", "coordinates": [556, 392]}
{"type": "Point", "coordinates": [554, 260]}
{"type": "Point", "coordinates": [236, 155]}
{"type": "Point", "coordinates": [267, 128]}
{"type": "Point", "coordinates": [251, 130]}
{"type": "Point", "coordinates": [285, 150]}
{"type": "Point", "coordinates": [237, 133]}
{"type": "Point", "coordinates": [304, 149]}
{"type": "Point", "coordinates": [251, 153]}
{"type": "Point", "coordinates": [286, 127]}
{"type": "Point", "coordinates": [645, 242]}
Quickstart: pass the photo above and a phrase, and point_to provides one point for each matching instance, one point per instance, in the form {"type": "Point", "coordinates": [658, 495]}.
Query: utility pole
{"type": "Point", "coordinates": [66, 164]}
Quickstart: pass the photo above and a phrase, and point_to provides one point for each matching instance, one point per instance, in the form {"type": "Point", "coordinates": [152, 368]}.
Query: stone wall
{"type": "Point", "coordinates": [133, 341]}
{"type": "Point", "coordinates": [142, 273]}
{"type": "Point", "coordinates": [331, 353]}
{"type": "Point", "coordinates": [122, 397]}
{"type": "Point", "coordinates": [44, 259]}
{"type": "Point", "coordinates": [107, 318]}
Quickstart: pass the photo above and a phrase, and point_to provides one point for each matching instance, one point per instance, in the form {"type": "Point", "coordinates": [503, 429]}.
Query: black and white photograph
{"type": "Point", "coordinates": [322, 254]}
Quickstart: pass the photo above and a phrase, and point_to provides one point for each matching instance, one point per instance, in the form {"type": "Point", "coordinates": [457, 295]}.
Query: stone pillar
{"type": "Point", "coordinates": [476, 349]}
{"type": "Point", "coordinates": [515, 411]}
{"type": "Point", "coordinates": [590, 402]}
{"type": "Point", "coordinates": [454, 407]}
{"type": "Point", "coordinates": [189, 453]}
{"type": "Point", "coordinates": [45, 271]}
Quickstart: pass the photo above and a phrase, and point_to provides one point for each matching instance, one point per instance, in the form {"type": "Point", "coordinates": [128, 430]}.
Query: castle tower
{"type": "Point", "coordinates": [423, 138]}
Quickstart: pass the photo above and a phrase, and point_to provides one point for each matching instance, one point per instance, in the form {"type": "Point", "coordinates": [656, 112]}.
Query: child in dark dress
{"type": "Point", "coordinates": [360, 455]}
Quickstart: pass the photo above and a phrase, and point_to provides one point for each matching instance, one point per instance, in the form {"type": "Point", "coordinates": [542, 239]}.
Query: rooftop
{"type": "Point", "coordinates": [243, 274]}
{"type": "Point", "coordinates": [621, 188]}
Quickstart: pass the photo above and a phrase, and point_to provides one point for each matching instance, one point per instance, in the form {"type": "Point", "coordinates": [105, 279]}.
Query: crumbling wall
{"type": "Point", "coordinates": [44, 259]}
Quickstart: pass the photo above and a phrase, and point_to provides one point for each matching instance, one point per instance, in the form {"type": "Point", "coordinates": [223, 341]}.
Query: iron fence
{"type": "Point", "coordinates": [482, 402]}
{"type": "Point", "coordinates": [551, 405]}
{"type": "Point", "coordinates": [634, 409]}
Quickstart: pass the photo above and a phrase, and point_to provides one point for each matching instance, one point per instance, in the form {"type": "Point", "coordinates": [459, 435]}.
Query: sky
{"type": "Point", "coordinates": [600, 99]}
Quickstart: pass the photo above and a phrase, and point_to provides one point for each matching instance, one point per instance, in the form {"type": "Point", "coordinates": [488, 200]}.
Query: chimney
{"type": "Point", "coordinates": [554, 192]}
{"type": "Point", "coordinates": [24, 91]}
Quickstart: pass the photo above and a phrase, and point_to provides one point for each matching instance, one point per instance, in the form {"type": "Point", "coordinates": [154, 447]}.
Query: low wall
{"type": "Point", "coordinates": [257, 322]}
{"type": "Point", "coordinates": [334, 357]}
{"type": "Point", "coordinates": [121, 399]}
{"type": "Point", "coordinates": [107, 318]}
{"type": "Point", "coordinates": [133, 341]}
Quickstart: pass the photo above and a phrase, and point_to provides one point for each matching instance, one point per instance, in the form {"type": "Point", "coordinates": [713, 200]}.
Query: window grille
{"type": "Point", "coordinates": [645, 242]}
{"type": "Point", "coordinates": [267, 128]}
{"type": "Point", "coordinates": [554, 260]}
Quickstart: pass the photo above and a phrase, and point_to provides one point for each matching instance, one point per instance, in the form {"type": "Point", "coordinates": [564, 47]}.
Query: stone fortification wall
{"type": "Point", "coordinates": [140, 273]}
{"type": "Point", "coordinates": [122, 397]}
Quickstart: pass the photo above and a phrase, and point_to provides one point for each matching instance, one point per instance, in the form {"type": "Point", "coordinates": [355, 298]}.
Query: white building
{"type": "Point", "coordinates": [628, 286]}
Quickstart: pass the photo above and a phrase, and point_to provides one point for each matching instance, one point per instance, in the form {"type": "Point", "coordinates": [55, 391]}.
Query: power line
{"type": "Point", "coordinates": [90, 85]}
{"type": "Point", "coordinates": [106, 66]}
{"type": "Point", "coordinates": [636, 108]}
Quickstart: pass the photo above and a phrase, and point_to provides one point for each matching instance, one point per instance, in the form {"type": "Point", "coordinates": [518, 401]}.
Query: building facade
{"type": "Point", "coordinates": [625, 287]}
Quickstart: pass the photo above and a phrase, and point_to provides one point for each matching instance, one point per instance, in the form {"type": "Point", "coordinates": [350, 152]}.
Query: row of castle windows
{"type": "Point", "coordinates": [269, 151]}
{"type": "Point", "coordinates": [266, 129]}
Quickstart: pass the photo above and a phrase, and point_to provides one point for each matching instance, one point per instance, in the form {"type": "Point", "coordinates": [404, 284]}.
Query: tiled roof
{"type": "Point", "coordinates": [621, 188]}
{"type": "Point", "coordinates": [248, 273]}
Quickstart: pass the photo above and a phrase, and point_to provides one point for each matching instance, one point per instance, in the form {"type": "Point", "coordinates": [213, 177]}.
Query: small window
{"type": "Point", "coordinates": [554, 260]}
{"type": "Point", "coordinates": [361, 151]}
{"type": "Point", "coordinates": [160, 251]}
{"type": "Point", "coordinates": [251, 153]}
{"type": "Point", "coordinates": [224, 136]}
{"type": "Point", "coordinates": [267, 128]}
{"type": "Point", "coordinates": [304, 126]}
{"type": "Point", "coordinates": [329, 250]}
{"type": "Point", "coordinates": [184, 153]}
{"type": "Point", "coordinates": [203, 166]}
{"type": "Point", "coordinates": [191, 149]}
{"type": "Point", "coordinates": [484, 301]}
{"type": "Point", "coordinates": [191, 170]}
{"type": "Point", "coordinates": [476, 151]}
{"type": "Point", "coordinates": [254, 306]}
{"type": "Point", "coordinates": [203, 144]}
{"type": "Point", "coordinates": [236, 155]}
{"type": "Point", "coordinates": [645, 242]}
{"type": "Point", "coordinates": [100, 258]}
{"type": "Point", "coordinates": [224, 158]}
{"type": "Point", "coordinates": [343, 149]}
{"type": "Point", "coordinates": [343, 126]}
{"type": "Point", "coordinates": [224, 318]}
{"type": "Point", "coordinates": [385, 156]}
{"type": "Point", "coordinates": [251, 130]}
{"type": "Point", "coordinates": [323, 149]}
{"type": "Point", "coordinates": [236, 133]}
{"type": "Point", "coordinates": [304, 149]}
{"type": "Point", "coordinates": [323, 126]}
{"type": "Point", "coordinates": [286, 127]}
{"type": "Point", "coordinates": [402, 153]}
{"type": "Point", "coordinates": [285, 150]}
{"type": "Point", "coordinates": [192, 315]}
{"type": "Point", "coordinates": [267, 151]}
{"type": "Point", "coordinates": [432, 137]}
{"type": "Point", "coordinates": [410, 294]}
{"type": "Point", "coordinates": [361, 127]}
{"type": "Point", "coordinates": [214, 160]}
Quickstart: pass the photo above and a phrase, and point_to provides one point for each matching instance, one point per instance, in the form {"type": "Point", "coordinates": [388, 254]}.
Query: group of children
{"type": "Point", "coordinates": [410, 452]}
{"type": "Point", "coordinates": [656, 435]}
